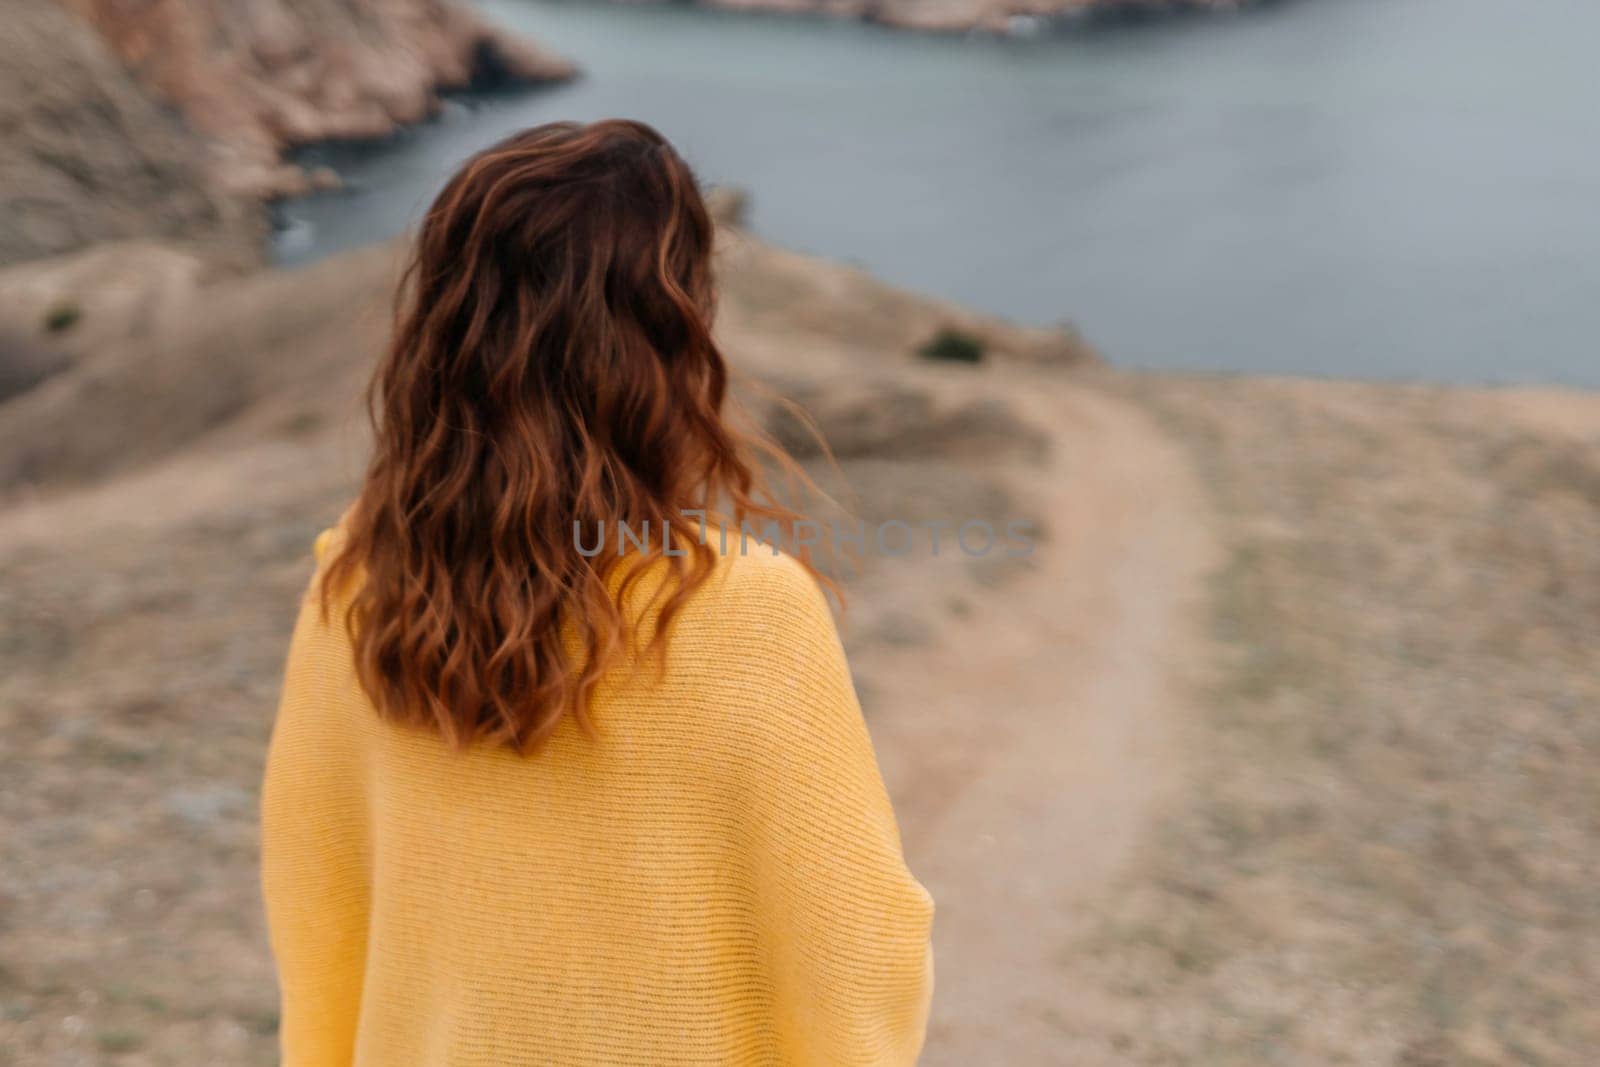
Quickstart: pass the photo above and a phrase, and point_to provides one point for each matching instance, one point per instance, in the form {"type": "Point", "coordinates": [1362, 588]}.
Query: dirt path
{"type": "Point", "coordinates": [1052, 713]}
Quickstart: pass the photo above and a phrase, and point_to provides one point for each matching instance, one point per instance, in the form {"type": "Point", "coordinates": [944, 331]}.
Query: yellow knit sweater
{"type": "Point", "coordinates": [715, 880]}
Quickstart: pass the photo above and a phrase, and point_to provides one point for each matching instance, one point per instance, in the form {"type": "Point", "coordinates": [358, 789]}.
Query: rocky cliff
{"type": "Point", "coordinates": [259, 76]}
{"type": "Point", "coordinates": [168, 119]}
{"type": "Point", "coordinates": [86, 156]}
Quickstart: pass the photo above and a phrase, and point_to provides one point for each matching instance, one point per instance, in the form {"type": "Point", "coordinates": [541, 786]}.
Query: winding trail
{"type": "Point", "coordinates": [1051, 720]}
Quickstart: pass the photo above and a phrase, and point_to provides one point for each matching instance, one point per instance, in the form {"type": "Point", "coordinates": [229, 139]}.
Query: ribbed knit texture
{"type": "Point", "coordinates": [715, 879]}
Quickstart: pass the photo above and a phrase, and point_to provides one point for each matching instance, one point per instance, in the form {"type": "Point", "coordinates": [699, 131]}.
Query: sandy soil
{"type": "Point", "coordinates": [1274, 751]}
{"type": "Point", "coordinates": [1028, 764]}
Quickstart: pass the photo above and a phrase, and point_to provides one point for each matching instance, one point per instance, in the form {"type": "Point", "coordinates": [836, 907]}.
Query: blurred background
{"type": "Point", "coordinates": [1275, 320]}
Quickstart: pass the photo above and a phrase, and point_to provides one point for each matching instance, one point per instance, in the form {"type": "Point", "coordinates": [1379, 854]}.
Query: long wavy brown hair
{"type": "Point", "coordinates": [551, 374]}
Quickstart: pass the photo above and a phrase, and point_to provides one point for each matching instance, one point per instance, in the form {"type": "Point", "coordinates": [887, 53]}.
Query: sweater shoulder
{"type": "Point", "coordinates": [761, 632]}
{"type": "Point", "coordinates": [766, 591]}
{"type": "Point", "coordinates": [767, 572]}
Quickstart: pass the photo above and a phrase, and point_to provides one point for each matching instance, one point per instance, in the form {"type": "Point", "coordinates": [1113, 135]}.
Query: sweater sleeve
{"type": "Point", "coordinates": [314, 865]}
{"type": "Point", "coordinates": [847, 926]}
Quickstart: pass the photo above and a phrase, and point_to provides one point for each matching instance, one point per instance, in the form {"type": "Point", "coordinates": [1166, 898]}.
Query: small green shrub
{"type": "Point", "coordinates": [62, 318]}
{"type": "Point", "coordinates": [115, 1041]}
{"type": "Point", "coordinates": [950, 345]}
{"type": "Point", "coordinates": [265, 1023]}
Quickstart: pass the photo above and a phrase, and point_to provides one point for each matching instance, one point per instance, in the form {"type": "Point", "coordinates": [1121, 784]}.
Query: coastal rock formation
{"type": "Point", "coordinates": [1000, 16]}
{"type": "Point", "coordinates": [168, 119]}
{"type": "Point", "coordinates": [261, 76]}
{"type": "Point", "coordinates": [87, 156]}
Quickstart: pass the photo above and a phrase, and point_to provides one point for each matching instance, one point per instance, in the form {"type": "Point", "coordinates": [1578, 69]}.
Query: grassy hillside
{"type": "Point", "coordinates": [1278, 750]}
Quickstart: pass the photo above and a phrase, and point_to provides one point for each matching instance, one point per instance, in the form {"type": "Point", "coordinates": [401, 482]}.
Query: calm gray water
{"type": "Point", "coordinates": [1354, 188]}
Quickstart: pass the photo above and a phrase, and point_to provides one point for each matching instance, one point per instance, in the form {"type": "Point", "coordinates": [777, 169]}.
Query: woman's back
{"type": "Point", "coordinates": [715, 878]}
{"type": "Point", "coordinates": [536, 798]}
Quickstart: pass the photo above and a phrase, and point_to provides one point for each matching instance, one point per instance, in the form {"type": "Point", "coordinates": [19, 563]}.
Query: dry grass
{"type": "Point", "coordinates": [1389, 848]}
{"type": "Point", "coordinates": [136, 667]}
{"type": "Point", "coordinates": [1383, 852]}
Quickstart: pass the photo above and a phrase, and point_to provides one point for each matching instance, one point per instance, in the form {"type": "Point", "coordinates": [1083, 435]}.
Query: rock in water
{"type": "Point", "coordinates": [1016, 18]}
